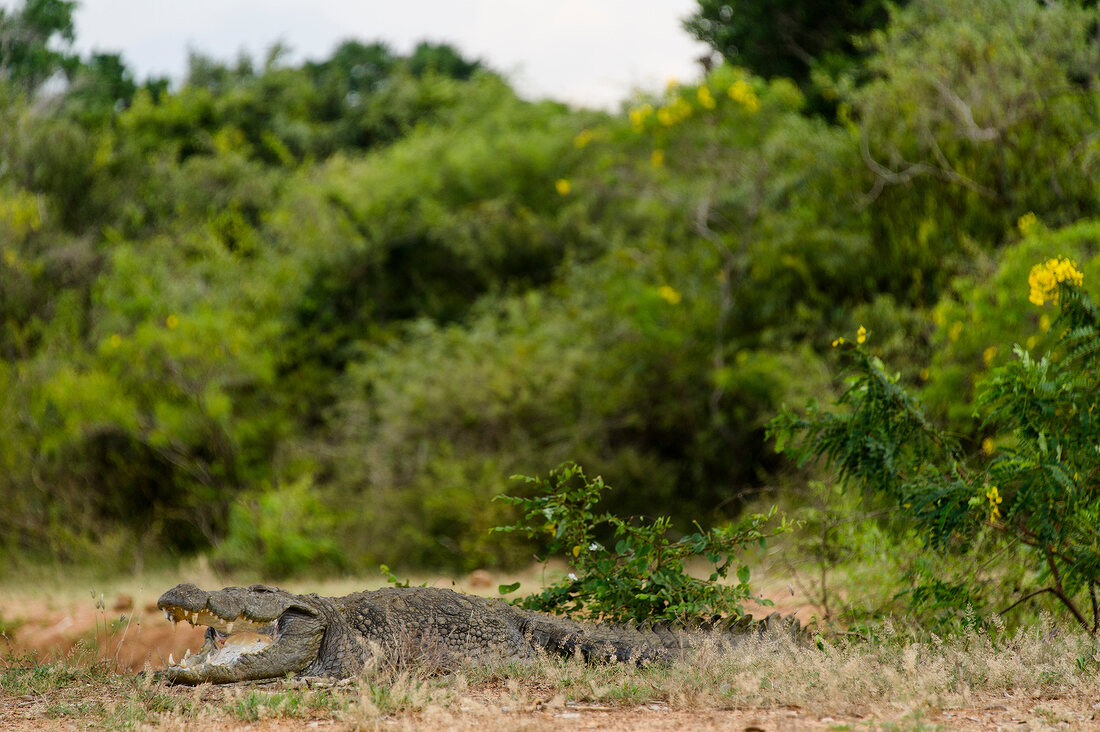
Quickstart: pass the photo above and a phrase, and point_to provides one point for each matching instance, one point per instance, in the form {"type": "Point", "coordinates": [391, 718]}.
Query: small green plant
{"type": "Point", "coordinates": [8, 627]}
{"type": "Point", "coordinates": [642, 576]}
{"type": "Point", "coordinates": [392, 578]}
{"type": "Point", "coordinates": [1032, 483]}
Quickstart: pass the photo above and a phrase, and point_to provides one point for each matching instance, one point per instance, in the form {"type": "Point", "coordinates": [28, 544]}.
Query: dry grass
{"type": "Point", "coordinates": [849, 677]}
{"type": "Point", "coordinates": [1042, 676]}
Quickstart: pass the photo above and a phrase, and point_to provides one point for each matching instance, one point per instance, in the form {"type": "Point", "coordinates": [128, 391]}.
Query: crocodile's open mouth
{"type": "Point", "coordinates": [226, 640]}
{"type": "Point", "coordinates": [251, 633]}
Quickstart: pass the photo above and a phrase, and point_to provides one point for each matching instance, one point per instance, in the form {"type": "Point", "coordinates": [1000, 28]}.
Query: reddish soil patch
{"type": "Point", "coordinates": [136, 635]}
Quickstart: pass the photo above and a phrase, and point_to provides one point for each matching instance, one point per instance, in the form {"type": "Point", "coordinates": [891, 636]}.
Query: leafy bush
{"type": "Point", "coordinates": [643, 577]}
{"type": "Point", "coordinates": [1038, 488]}
{"type": "Point", "coordinates": [281, 532]}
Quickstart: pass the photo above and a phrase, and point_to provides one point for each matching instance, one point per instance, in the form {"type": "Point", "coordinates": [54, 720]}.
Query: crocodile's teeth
{"type": "Point", "coordinates": [187, 655]}
{"type": "Point", "coordinates": [171, 661]}
{"type": "Point", "coordinates": [167, 614]}
{"type": "Point", "coordinates": [229, 627]}
{"type": "Point", "coordinates": [194, 618]}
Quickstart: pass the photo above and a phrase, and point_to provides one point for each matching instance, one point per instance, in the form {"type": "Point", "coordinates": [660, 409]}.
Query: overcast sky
{"type": "Point", "coordinates": [591, 52]}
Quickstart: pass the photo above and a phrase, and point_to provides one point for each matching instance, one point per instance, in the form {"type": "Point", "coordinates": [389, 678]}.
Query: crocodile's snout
{"type": "Point", "coordinates": [184, 596]}
{"type": "Point", "coordinates": [225, 604]}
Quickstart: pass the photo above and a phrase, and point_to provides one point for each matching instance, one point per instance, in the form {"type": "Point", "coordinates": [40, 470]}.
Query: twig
{"type": "Point", "coordinates": [1057, 589]}
{"type": "Point", "coordinates": [1027, 597]}
{"type": "Point", "coordinates": [966, 116]}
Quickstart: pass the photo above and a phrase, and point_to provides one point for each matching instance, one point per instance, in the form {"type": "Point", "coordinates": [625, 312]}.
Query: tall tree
{"type": "Point", "coordinates": [786, 37]}
{"type": "Point", "coordinates": [30, 36]}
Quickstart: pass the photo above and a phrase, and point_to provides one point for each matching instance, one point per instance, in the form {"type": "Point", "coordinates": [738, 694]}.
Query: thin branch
{"type": "Point", "coordinates": [884, 175]}
{"type": "Point", "coordinates": [1073, 609]}
{"type": "Point", "coordinates": [1027, 597]}
{"type": "Point", "coordinates": [966, 116]}
{"type": "Point", "coordinates": [1057, 589]}
{"type": "Point", "coordinates": [890, 176]}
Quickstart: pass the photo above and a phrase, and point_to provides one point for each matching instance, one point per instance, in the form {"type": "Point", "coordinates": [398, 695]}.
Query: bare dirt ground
{"type": "Point", "coordinates": [493, 709]}
{"type": "Point", "coordinates": [121, 623]}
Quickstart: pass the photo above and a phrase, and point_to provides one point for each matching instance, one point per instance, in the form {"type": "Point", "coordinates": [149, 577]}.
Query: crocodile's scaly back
{"type": "Point", "coordinates": [648, 642]}
{"type": "Point", "coordinates": [434, 620]}
{"type": "Point", "coordinates": [262, 632]}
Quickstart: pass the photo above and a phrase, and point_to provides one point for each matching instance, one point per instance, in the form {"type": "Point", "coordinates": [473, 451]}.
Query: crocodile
{"type": "Point", "coordinates": [261, 632]}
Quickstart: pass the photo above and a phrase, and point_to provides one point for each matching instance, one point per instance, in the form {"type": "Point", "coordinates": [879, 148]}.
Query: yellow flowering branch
{"type": "Point", "coordinates": [1045, 278]}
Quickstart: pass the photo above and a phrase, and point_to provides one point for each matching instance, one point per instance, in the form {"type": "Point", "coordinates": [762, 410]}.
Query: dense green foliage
{"type": "Point", "coordinates": [642, 576]}
{"type": "Point", "coordinates": [791, 38]}
{"type": "Point", "coordinates": [312, 316]}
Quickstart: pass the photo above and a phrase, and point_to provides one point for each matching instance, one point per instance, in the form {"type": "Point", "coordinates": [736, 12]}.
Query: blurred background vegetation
{"type": "Point", "coordinates": [314, 316]}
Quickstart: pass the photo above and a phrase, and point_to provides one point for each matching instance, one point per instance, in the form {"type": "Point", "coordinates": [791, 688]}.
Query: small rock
{"type": "Point", "coordinates": [480, 579]}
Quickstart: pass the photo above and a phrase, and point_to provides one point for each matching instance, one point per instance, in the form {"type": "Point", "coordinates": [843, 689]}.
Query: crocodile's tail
{"type": "Point", "coordinates": [649, 642]}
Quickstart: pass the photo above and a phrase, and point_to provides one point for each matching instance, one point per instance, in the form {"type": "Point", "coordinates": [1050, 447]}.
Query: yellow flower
{"type": "Point", "coordinates": [741, 92]}
{"type": "Point", "coordinates": [639, 115]}
{"type": "Point", "coordinates": [576, 550]}
{"type": "Point", "coordinates": [675, 112]}
{"type": "Point", "coordinates": [988, 447]}
{"type": "Point", "coordinates": [1027, 223]}
{"type": "Point", "coordinates": [657, 157]}
{"type": "Point", "coordinates": [563, 187]}
{"type": "Point", "coordinates": [1045, 278]}
{"type": "Point", "coordinates": [582, 139]}
{"type": "Point", "coordinates": [995, 501]}
{"type": "Point", "coordinates": [669, 295]}
{"type": "Point", "coordinates": [989, 354]}
{"type": "Point", "coordinates": [705, 97]}
{"type": "Point", "coordinates": [925, 374]}
{"type": "Point", "coordinates": [1031, 341]}
{"type": "Point", "coordinates": [956, 331]}
{"type": "Point", "coordinates": [861, 335]}
{"type": "Point", "coordinates": [116, 340]}
{"type": "Point", "coordinates": [838, 342]}
{"type": "Point", "coordinates": [171, 321]}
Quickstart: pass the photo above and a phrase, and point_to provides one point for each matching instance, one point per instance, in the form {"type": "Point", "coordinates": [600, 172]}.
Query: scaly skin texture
{"type": "Point", "coordinates": [262, 632]}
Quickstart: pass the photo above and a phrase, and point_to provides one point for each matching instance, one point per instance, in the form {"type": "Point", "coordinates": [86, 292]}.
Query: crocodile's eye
{"type": "Point", "coordinates": [260, 588]}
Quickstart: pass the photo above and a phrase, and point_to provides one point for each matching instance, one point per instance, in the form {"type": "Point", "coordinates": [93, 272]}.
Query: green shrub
{"type": "Point", "coordinates": [642, 577]}
{"type": "Point", "coordinates": [1038, 487]}
{"type": "Point", "coordinates": [281, 532]}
